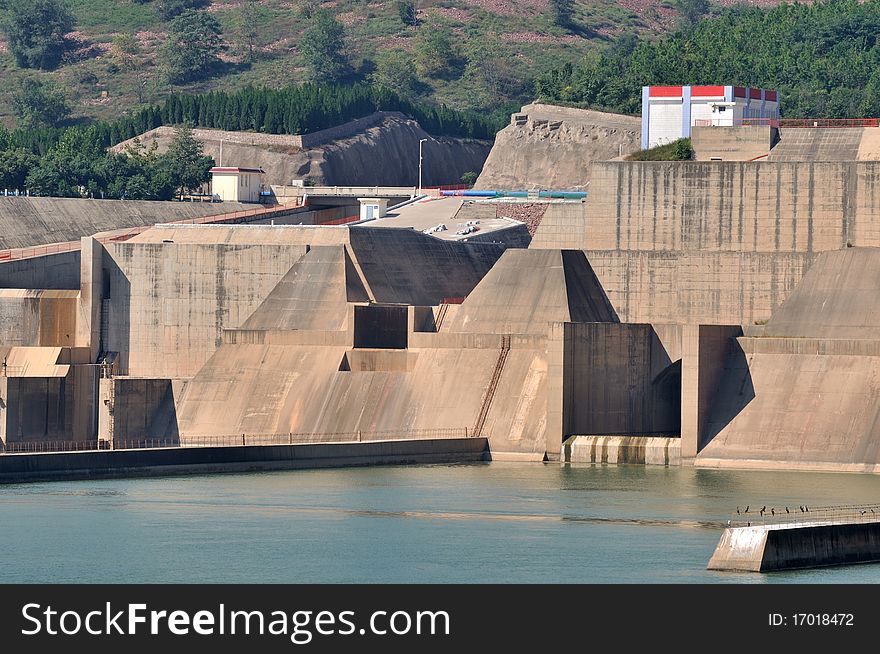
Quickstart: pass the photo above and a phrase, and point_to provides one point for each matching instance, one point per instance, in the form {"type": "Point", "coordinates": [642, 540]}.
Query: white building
{"type": "Point", "coordinates": [233, 184]}
{"type": "Point", "coordinates": [669, 112]}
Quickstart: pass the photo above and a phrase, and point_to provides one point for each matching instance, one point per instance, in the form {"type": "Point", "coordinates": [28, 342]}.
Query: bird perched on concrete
{"type": "Point", "coordinates": [737, 510]}
{"type": "Point", "coordinates": [772, 511]}
{"type": "Point", "coordinates": [747, 508]}
{"type": "Point", "coordinates": [763, 508]}
{"type": "Point", "coordinates": [786, 510]}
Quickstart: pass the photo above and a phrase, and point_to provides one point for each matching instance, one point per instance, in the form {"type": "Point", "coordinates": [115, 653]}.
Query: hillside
{"type": "Point", "coordinates": [547, 147]}
{"type": "Point", "coordinates": [379, 150]}
{"type": "Point", "coordinates": [500, 46]}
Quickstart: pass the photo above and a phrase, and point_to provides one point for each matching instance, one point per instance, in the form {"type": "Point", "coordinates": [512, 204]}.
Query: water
{"type": "Point", "coordinates": [499, 522]}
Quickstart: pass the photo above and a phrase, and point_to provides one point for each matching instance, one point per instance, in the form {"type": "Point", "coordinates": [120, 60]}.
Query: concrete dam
{"type": "Point", "coordinates": [686, 313]}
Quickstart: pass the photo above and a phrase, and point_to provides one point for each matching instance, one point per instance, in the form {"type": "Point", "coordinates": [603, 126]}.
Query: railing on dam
{"type": "Point", "coordinates": [237, 440]}
{"type": "Point", "coordinates": [804, 515]}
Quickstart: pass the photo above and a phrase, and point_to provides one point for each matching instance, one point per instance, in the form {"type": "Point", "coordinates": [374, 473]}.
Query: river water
{"type": "Point", "coordinates": [498, 522]}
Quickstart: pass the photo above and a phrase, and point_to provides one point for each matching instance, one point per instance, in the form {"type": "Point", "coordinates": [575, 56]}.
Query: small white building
{"type": "Point", "coordinates": [373, 208]}
{"type": "Point", "coordinates": [669, 112]}
{"type": "Point", "coordinates": [233, 184]}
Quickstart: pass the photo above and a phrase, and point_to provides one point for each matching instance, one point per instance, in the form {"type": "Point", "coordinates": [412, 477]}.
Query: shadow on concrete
{"type": "Point", "coordinates": [666, 386]}
{"type": "Point", "coordinates": [587, 300]}
{"type": "Point", "coordinates": [735, 391]}
{"type": "Point", "coordinates": [115, 334]}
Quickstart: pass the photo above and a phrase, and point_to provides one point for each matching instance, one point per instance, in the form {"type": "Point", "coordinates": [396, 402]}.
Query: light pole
{"type": "Point", "coordinates": [420, 164]}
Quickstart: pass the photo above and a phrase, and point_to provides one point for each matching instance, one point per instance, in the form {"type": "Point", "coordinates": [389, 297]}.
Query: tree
{"type": "Point", "coordinates": [469, 178]}
{"type": "Point", "coordinates": [406, 9]}
{"type": "Point", "coordinates": [35, 32]}
{"type": "Point", "coordinates": [14, 167]}
{"type": "Point", "coordinates": [38, 103]}
{"type": "Point", "coordinates": [186, 164]}
{"type": "Point", "coordinates": [194, 41]}
{"type": "Point", "coordinates": [563, 12]}
{"type": "Point", "coordinates": [692, 10]}
{"type": "Point", "coordinates": [323, 48]}
{"type": "Point", "coordinates": [124, 51]}
{"type": "Point", "coordinates": [395, 70]}
{"type": "Point", "coordinates": [434, 52]}
{"type": "Point", "coordinates": [491, 65]}
{"type": "Point", "coordinates": [171, 9]}
{"type": "Point", "coordinates": [247, 30]}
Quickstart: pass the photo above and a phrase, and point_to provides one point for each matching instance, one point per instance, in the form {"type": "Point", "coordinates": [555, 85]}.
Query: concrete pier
{"type": "Point", "coordinates": [155, 462]}
{"type": "Point", "coordinates": [802, 544]}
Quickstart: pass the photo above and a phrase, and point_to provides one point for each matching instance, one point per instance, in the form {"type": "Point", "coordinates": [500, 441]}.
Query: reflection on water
{"type": "Point", "coordinates": [501, 522]}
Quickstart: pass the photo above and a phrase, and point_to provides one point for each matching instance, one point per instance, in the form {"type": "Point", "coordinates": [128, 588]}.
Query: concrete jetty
{"type": "Point", "coordinates": [803, 539]}
{"type": "Point", "coordinates": [166, 461]}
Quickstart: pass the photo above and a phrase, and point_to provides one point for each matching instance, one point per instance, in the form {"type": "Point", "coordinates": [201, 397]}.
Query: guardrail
{"type": "Point", "coordinates": [813, 122]}
{"type": "Point", "coordinates": [238, 440]}
{"type": "Point", "coordinates": [804, 515]}
{"type": "Point", "coordinates": [346, 191]}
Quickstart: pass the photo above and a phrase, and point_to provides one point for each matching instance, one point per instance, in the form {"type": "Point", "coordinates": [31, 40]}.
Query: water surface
{"type": "Point", "coordinates": [498, 522]}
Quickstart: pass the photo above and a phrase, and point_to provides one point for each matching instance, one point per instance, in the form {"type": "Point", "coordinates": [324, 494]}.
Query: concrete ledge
{"type": "Point", "coordinates": [762, 464]}
{"type": "Point", "coordinates": [647, 450]}
{"type": "Point", "coordinates": [539, 457]}
{"type": "Point", "coordinates": [16, 468]}
{"type": "Point", "coordinates": [761, 549]}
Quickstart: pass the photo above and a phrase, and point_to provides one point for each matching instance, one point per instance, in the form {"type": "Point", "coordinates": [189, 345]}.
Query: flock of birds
{"type": "Point", "coordinates": [763, 510]}
{"type": "Point", "coordinates": [803, 509]}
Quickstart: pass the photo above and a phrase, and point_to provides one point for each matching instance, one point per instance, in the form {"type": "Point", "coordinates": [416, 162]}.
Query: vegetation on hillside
{"type": "Point", "coordinates": [291, 110]}
{"type": "Point", "coordinates": [77, 165]}
{"type": "Point", "coordinates": [680, 150]}
{"type": "Point", "coordinates": [824, 58]}
{"type": "Point", "coordinates": [74, 161]}
{"type": "Point", "coordinates": [115, 56]}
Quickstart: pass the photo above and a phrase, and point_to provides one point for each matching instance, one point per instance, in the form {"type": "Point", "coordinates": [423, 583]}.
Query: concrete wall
{"type": "Point", "coordinates": [705, 349]}
{"type": "Point", "coordinates": [618, 380]}
{"type": "Point", "coordinates": [645, 450]}
{"type": "Point", "coordinates": [28, 221]}
{"type": "Point", "coordinates": [713, 242]}
{"type": "Point", "coordinates": [211, 460]}
{"type": "Point", "coordinates": [169, 302]}
{"type": "Point", "coordinates": [697, 287]}
{"type": "Point", "coordinates": [141, 409]}
{"type": "Point", "coordinates": [50, 409]}
{"type": "Point", "coordinates": [760, 549]}
{"type": "Point", "coordinates": [38, 318]}
{"type": "Point", "coordinates": [732, 143]}
{"type": "Point", "coordinates": [728, 206]}
{"type": "Point", "coordinates": [54, 271]}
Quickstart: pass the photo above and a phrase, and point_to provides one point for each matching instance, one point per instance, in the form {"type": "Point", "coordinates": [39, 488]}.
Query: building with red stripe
{"type": "Point", "coordinates": [669, 112]}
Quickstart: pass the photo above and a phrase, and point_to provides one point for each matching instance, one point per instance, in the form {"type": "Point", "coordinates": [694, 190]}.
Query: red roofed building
{"type": "Point", "coordinates": [669, 112]}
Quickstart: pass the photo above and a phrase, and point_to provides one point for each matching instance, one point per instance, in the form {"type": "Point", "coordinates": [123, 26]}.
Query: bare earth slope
{"type": "Point", "coordinates": [546, 146]}
{"type": "Point", "coordinates": [383, 153]}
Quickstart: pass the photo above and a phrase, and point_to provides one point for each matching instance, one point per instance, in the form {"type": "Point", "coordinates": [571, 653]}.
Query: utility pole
{"type": "Point", "coordinates": [420, 164]}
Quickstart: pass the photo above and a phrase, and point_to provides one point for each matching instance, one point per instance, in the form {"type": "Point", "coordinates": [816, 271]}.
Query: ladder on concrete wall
{"type": "Point", "coordinates": [441, 316]}
{"type": "Point", "coordinates": [493, 385]}
{"type": "Point", "coordinates": [104, 334]}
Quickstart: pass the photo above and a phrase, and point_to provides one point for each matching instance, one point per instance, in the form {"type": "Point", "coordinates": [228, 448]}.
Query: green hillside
{"type": "Point", "coordinates": [497, 47]}
{"type": "Point", "coordinates": [823, 57]}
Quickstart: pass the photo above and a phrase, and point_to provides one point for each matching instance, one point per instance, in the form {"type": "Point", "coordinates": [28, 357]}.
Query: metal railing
{"type": "Point", "coordinates": [238, 440]}
{"type": "Point", "coordinates": [804, 515]}
{"type": "Point", "coordinates": [813, 122]}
